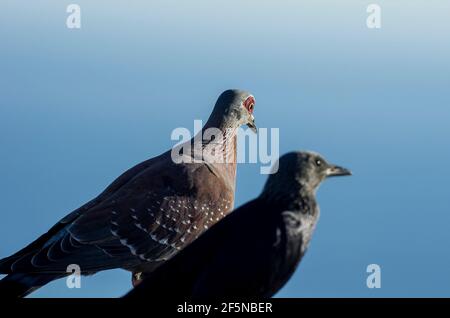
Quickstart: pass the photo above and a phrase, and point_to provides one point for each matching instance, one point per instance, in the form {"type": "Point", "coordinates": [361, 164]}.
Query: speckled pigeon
{"type": "Point", "coordinates": [253, 251]}
{"type": "Point", "coordinates": [146, 215]}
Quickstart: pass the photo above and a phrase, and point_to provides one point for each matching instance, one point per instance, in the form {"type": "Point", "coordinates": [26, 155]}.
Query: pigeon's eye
{"type": "Point", "coordinates": [249, 104]}
{"type": "Point", "coordinates": [318, 162]}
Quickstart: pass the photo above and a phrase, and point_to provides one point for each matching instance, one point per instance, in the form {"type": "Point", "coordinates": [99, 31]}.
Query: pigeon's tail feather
{"type": "Point", "coordinates": [19, 285]}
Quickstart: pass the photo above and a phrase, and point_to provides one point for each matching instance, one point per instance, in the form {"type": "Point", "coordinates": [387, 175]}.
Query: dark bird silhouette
{"type": "Point", "coordinates": [146, 215]}
{"type": "Point", "coordinates": [254, 250]}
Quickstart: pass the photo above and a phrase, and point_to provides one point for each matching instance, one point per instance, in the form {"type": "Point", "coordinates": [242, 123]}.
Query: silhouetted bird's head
{"type": "Point", "coordinates": [300, 171]}
{"type": "Point", "coordinates": [233, 109]}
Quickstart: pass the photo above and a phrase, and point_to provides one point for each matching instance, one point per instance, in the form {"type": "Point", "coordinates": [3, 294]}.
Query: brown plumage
{"type": "Point", "coordinates": [146, 215]}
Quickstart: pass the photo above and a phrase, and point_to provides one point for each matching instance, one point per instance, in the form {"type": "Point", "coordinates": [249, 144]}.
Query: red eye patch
{"type": "Point", "coordinates": [249, 104]}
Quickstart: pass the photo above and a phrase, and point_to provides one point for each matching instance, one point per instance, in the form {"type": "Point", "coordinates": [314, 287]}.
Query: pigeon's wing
{"type": "Point", "coordinates": [108, 237]}
{"type": "Point", "coordinates": [203, 263]}
{"type": "Point", "coordinates": [58, 228]}
{"type": "Point", "coordinates": [157, 214]}
{"type": "Point", "coordinates": [147, 220]}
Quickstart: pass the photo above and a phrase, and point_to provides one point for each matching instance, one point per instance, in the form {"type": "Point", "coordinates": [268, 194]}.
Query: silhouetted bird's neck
{"type": "Point", "coordinates": [291, 196]}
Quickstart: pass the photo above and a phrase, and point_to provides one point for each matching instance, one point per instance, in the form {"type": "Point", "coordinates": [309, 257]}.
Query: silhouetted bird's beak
{"type": "Point", "coordinates": [335, 171]}
{"type": "Point", "coordinates": [251, 124]}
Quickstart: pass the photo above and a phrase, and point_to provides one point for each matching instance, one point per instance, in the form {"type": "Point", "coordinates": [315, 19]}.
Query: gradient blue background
{"type": "Point", "coordinates": [78, 107]}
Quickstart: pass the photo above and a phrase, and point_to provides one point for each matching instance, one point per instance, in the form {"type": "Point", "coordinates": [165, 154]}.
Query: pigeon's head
{"type": "Point", "coordinates": [302, 170]}
{"type": "Point", "coordinates": [234, 108]}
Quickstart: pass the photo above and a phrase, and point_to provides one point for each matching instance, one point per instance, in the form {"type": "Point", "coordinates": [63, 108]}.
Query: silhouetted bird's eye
{"type": "Point", "coordinates": [318, 162]}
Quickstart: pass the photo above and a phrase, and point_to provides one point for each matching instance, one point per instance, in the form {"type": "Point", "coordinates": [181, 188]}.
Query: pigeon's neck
{"type": "Point", "coordinates": [218, 142]}
{"type": "Point", "coordinates": [222, 123]}
{"type": "Point", "coordinates": [217, 149]}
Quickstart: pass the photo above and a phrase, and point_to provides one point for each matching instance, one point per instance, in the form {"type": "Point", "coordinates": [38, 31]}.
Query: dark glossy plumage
{"type": "Point", "coordinates": [255, 249]}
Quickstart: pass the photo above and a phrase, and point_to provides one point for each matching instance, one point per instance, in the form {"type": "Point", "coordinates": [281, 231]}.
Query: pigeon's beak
{"type": "Point", "coordinates": [335, 171]}
{"type": "Point", "coordinates": [251, 124]}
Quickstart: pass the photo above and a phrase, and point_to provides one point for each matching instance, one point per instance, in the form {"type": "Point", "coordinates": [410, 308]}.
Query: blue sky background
{"type": "Point", "coordinates": [78, 107]}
